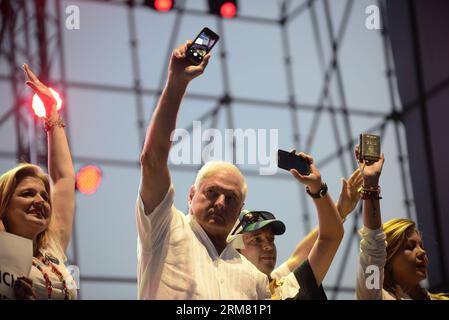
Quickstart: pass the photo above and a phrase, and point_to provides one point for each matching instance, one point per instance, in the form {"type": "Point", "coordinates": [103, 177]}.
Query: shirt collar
{"type": "Point", "coordinates": [204, 238]}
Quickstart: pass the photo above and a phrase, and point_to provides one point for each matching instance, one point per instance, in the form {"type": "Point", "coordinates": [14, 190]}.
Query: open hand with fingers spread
{"type": "Point", "coordinates": [42, 91]}
{"type": "Point", "coordinates": [370, 170]}
{"type": "Point", "coordinates": [313, 180]}
{"type": "Point", "coordinates": [181, 68]}
{"type": "Point", "coordinates": [349, 195]}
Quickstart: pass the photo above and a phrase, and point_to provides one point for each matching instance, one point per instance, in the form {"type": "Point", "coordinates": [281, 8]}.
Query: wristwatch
{"type": "Point", "coordinates": [320, 194]}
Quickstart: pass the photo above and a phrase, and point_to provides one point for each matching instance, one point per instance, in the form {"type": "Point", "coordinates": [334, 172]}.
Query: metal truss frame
{"type": "Point", "coordinates": [21, 18]}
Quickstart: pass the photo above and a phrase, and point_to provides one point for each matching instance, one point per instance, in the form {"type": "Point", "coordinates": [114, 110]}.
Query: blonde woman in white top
{"type": "Point", "coordinates": [33, 207]}
{"type": "Point", "coordinates": [393, 260]}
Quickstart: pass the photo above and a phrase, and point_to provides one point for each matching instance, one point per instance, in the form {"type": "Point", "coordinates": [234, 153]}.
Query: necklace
{"type": "Point", "coordinates": [48, 261]}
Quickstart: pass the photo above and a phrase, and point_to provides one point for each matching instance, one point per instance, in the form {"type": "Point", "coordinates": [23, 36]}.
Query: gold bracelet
{"type": "Point", "coordinates": [368, 189]}
{"type": "Point", "coordinates": [49, 124]}
{"type": "Point", "coordinates": [369, 193]}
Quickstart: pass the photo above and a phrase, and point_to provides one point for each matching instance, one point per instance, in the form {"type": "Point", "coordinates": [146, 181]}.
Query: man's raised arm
{"type": "Point", "coordinates": [154, 157]}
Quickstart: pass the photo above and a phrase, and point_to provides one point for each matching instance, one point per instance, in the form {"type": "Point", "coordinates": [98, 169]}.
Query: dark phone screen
{"type": "Point", "coordinates": [288, 161]}
{"type": "Point", "coordinates": [202, 45]}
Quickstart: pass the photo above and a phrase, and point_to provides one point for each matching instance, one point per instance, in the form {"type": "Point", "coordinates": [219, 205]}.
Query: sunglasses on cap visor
{"type": "Point", "coordinates": [252, 217]}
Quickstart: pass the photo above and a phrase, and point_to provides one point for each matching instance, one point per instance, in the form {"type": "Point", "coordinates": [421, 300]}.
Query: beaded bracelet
{"type": "Point", "coordinates": [49, 124]}
{"type": "Point", "coordinates": [370, 193]}
{"type": "Point", "coordinates": [371, 196]}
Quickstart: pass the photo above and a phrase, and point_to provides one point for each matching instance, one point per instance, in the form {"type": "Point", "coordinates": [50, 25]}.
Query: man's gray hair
{"type": "Point", "coordinates": [212, 167]}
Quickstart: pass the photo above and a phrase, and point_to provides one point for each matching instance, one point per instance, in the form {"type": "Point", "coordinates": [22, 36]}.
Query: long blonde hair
{"type": "Point", "coordinates": [397, 231]}
{"type": "Point", "coordinates": [8, 184]}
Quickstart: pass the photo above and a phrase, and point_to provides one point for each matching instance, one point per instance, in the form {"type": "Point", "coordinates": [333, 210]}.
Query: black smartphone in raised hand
{"type": "Point", "coordinates": [288, 160]}
{"type": "Point", "coordinates": [201, 46]}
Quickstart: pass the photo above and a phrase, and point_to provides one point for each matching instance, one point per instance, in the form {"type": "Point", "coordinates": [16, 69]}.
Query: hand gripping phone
{"type": "Point", "coordinates": [289, 160]}
{"type": "Point", "coordinates": [201, 46]}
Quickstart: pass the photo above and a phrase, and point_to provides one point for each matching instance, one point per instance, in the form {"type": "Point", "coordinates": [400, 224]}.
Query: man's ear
{"type": "Point", "coordinates": [191, 194]}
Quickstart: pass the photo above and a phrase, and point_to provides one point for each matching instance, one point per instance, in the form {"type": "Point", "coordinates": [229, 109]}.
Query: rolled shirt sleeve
{"type": "Point", "coordinates": [370, 273]}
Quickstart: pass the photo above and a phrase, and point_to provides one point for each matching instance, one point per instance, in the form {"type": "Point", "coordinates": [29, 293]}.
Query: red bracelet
{"type": "Point", "coordinates": [48, 124]}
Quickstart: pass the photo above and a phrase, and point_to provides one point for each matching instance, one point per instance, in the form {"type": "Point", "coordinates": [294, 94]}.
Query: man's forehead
{"type": "Point", "coordinates": [265, 231]}
{"type": "Point", "coordinates": [225, 183]}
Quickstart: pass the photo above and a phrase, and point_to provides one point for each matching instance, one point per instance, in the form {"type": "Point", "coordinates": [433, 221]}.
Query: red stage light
{"type": "Point", "coordinates": [163, 5]}
{"type": "Point", "coordinates": [88, 179]}
{"type": "Point", "coordinates": [228, 10]}
{"type": "Point", "coordinates": [38, 105]}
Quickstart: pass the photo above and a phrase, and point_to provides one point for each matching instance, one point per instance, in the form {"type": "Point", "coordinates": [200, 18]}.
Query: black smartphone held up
{"type": "Point", "coordinates": [369, 147]}
{"type": "Point", "coordinates": [288, 161]}
{"type": "Point", "coordinates": [201, 46]}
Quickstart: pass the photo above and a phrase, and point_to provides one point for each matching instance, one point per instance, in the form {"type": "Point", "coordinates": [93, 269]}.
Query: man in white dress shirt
{"type": "Point", "coordinates": [187, 256]}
